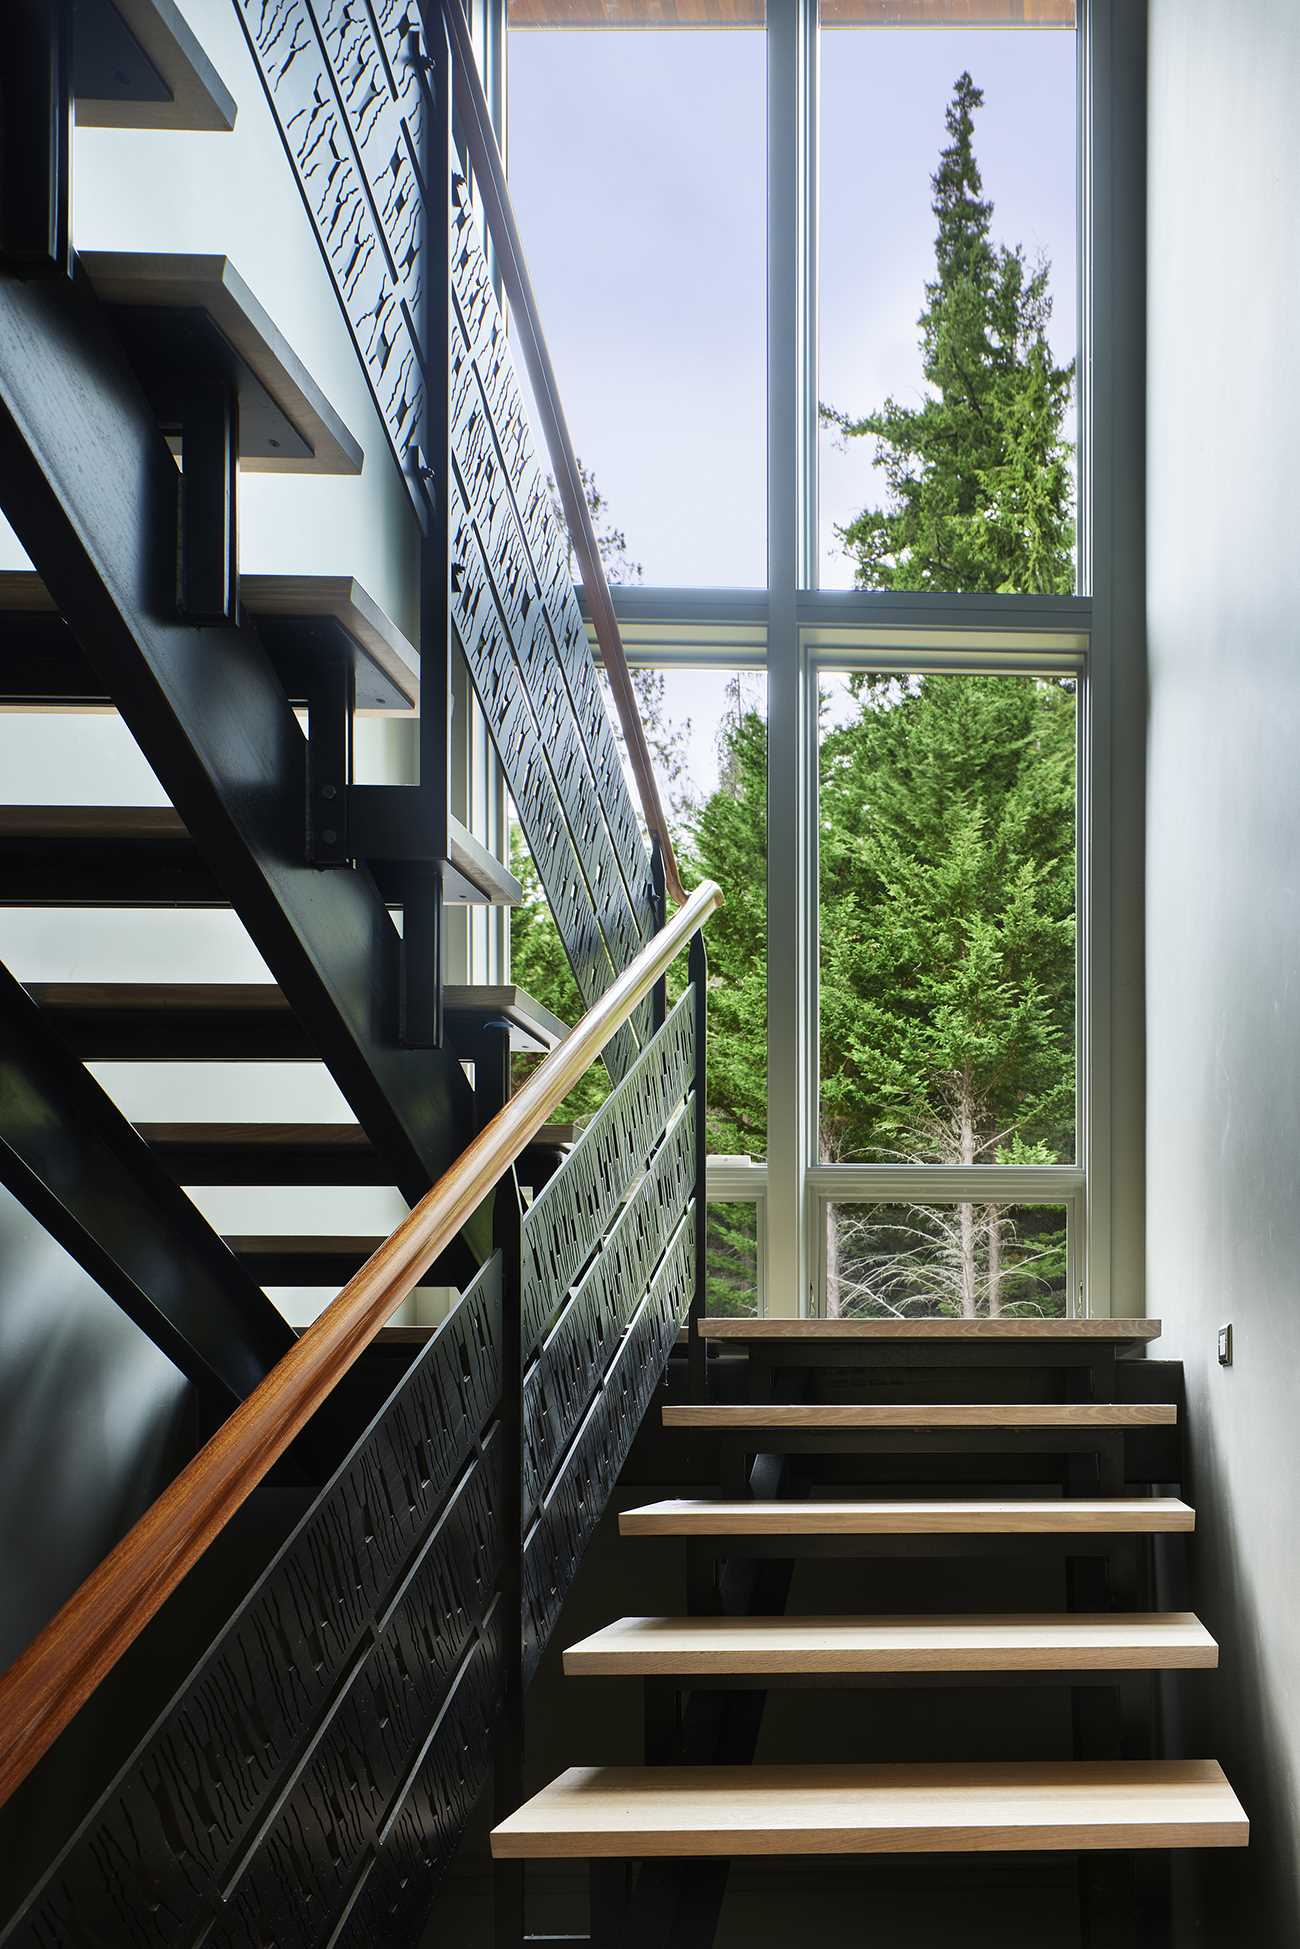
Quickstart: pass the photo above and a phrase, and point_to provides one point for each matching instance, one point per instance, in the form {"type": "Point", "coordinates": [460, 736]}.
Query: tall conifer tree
{"type": "Point", "coordinates": [978, 486]}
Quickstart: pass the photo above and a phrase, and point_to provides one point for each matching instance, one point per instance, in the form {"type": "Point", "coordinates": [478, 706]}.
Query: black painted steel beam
{"type": "Point", "coordinates": [69, 1155]}
{"type": "Point", "coordinates": [88, 482]}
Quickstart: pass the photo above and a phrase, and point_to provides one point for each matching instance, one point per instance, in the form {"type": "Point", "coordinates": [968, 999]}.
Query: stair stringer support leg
{"type": "Point", "coordinates": [70, 1156]}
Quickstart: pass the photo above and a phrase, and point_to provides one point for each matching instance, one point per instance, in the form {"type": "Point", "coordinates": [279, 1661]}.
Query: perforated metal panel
{"type": "Point", "coordinates": [349, 88]}
{"type": "Point", "coordinates": [351, 1650]}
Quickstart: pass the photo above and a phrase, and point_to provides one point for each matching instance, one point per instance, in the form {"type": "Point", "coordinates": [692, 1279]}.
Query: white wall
{"type": "Point", "coordinates": [1223, 890]}
{"type": "Point", "coordinates": [236, 195]}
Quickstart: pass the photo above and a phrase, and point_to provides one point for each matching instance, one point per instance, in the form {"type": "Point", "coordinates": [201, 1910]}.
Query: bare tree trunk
{"type": "Point", "coordinates": [832, 1264]}
{"type": "Point", "coordinates": [995, 1259]}
{"type": "Point", "coordinates": [969, 1288]}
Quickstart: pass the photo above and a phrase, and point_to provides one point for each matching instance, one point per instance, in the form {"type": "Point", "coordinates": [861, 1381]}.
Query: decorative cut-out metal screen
{"type": "Point", "coordinates": [317, 1769]}
{"type": "Point", "coordinates": [349, 84]}
{"type": "Point", "coordinates": [608, 1275]}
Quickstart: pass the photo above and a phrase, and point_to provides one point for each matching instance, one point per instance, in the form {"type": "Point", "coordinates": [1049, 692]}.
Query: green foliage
{"type": "Point", "coordinates": [946, 828]}
{"type": "Point", "coordinates": [727, 842]}
{"type": "Point", "coordinates": [947, 888]}
{"type": "Point", "coordinates": [978, 486]}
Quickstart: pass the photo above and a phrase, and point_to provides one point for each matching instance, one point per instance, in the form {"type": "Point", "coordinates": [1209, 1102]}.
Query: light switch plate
{"type": "Point", "coordinates": [1225, 1346]}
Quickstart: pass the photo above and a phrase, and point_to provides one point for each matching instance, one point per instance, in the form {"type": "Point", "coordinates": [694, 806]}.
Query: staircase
{"type": "Point", "coordinates": [831, 1455]}
{"type": "Point", "coordinates": [267, 1715]}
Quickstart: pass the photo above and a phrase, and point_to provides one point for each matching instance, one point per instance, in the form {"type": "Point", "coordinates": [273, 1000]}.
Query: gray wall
{"type": "Point", "coordinates": [94, 1422]}
{"type": "Point", "coordinates": [1223, 892]}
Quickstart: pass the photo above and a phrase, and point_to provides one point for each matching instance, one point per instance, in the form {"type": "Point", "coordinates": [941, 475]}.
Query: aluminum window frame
{"type": "Point", "coordinates": [789, 629]}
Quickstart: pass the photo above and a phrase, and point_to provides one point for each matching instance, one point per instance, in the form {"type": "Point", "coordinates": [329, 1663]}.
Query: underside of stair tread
{"type": "Point", "coordinates": [142, 855]}
{"type": "Point", "coordinates": [288, 1153]}
{"type": "Point", "coordinates": [170, 1018]}
{"type": "Point", "coordinates": [139, 65]}
{"type": "Point", "coordinates": [755, 1646]}
{"type": "Point", "coordinates": [1115, 1515]}
{"type": "Point", "coordinates": [965, 1414]}
{"type": "Point", "coordinates": [897, 1809]}
{"type": "Point", "coordinates": [285, 424]}
{"type": "Point", "coordinates": [984, 1329]}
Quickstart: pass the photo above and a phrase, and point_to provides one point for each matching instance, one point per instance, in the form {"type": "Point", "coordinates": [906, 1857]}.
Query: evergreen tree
{"type": "Point", "coordinates": [947, 974]}
{"type": "Point", "coordinates": [978, 489]}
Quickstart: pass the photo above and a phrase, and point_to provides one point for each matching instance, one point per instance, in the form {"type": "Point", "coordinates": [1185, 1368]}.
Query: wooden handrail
{"type": "Point", "coordinates": [490, 175]}
{"type": "Point", "coordinates": [46, 1685]}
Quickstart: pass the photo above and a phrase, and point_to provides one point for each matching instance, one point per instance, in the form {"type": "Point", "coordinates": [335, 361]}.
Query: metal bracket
{"type": "Point", "coordinates": [197, 397]}
{"type": "Point", "coordinates": [331, 691]}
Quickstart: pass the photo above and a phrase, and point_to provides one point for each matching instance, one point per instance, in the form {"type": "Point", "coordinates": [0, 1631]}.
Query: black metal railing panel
{"type": "Point", "coordinates": [392, 1901]}
{"type": "Point", "coordinates": [523, 637]}
{"type": "Point", "coordinates": [346, 87]}
{"type": "Point", "coordinates": [576, 1501]}
{"type": "Point", "coordinates": [572, 1362]}
{"type": "Point", "coordinates": [351, 87]}
{"type": "Point", "coordinates": [270, 1783]}
{"type": "Point", "coordinates": [564, 1226]}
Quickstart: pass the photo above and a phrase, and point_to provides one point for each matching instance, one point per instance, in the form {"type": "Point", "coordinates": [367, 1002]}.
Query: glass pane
{"type": "Point", "coordinates": [637, 170]}
{"type": "Point", "coordinates": [732, 1281]}
{"type": "Point", "coordinates": [707, 731]}
{"type": "Point", "coordinates": [948, 328]}
{"type": "Point", "coordinates": [969, 1261]}
{"type": "Point", "coordinates": [947, 920]}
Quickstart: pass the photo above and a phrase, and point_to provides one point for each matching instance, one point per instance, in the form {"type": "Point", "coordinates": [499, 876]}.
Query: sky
{"type": "Point", "coordinates": [637, 166]}
{"type": "Point", "coordinates": [638, 172]}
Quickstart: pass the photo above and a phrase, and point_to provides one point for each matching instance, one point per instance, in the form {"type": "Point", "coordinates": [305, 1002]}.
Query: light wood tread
{"type": "Point", "coordinates": [386, 662]}
{"type": "Point", "coordinates": [289, 1153]}
{"type": "Point", "coordinates": [1117, 1515]}
{"type": "Point", "coordinates": [999, 1329]}
{"type": "Point", "coordinates": [286, 424]}
{"type": "Point", "coordinates": [532, 1025]}
{"type": "Point", "coordinates": [1011, 1807]}
{"type": "Point", "coordinates": [964, 1414]}
{"type": "Point", "coordinates": [740, 1646]}
{"type": "Point", "coordinates": [477, 877]}
{"type": "Point", "coordinates": [139, 65]}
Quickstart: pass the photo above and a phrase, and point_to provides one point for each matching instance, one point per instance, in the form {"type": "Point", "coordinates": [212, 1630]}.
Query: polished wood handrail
{"type": "Point", "coordinates": [61, 1667]}
{"type": "Point", "coordinates": [490, 181]}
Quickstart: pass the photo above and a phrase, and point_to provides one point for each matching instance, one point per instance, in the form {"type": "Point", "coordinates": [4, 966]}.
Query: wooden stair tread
{"type": "Point", "coordinates": [385, 661]}
{"type": "Point", "coordinates": [100, 832]}
{"type": "Point", "coordinates": [1019, 1807]}
{"type": "Point", "coordinates": [286, 424]}
{"type": "Point", "coordinates": [733, 1646]}
{"type": "Point", "coordinates": [984, 1329]}
{"type": "Point", "coordinates": [1117, 1515]}
{"type": "Point", "coordinates": [288, 1153]}
{"type": "Point", "coordinates": [965, 1414]}
{"type": "Point", "coordinates": [139, 65]}
{"type": "Point", "coordinates": [228, 1003]}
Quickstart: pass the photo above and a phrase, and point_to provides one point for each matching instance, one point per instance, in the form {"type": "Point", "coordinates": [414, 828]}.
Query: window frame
{"type": "Point", "coordinates": [785, 628]}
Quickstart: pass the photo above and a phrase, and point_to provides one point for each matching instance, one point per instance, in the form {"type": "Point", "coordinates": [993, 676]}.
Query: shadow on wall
{"type": "Point", "coordinates": [94, 1421]}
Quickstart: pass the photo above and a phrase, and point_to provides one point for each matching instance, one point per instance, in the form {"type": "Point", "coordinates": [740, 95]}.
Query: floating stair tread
{"type": "Point", "coordinates": [139, 65]}
{"type": "Point", "coordinates": [755, 1646]}
{"type": "Point", "coordinates": [966, 1414]}
{"type": "Point", "coordinates": [342, 599]}
{"type": "Point", "coordinates": [1010, 1807]}
{"type": "Point", "coordinates": [286, 1153]}
{"type": "Point", "coordinates": [318, 442]}
{"type": "Point", "coordinates": [999, 1329]}
{"type": "Point", "coordinates": [386, 661]}
{"type": "Point", "coordinates": [1115, 1515]}
{"type": "Point", "coordinates": [478, 878]}
{"type": "Point", "coordinates": [228, 1003]}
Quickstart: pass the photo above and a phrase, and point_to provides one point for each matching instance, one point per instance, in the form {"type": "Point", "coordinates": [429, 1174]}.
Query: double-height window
{"type": "Point", "coordinates": [821, 291]}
